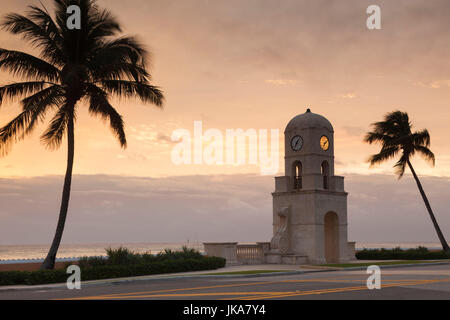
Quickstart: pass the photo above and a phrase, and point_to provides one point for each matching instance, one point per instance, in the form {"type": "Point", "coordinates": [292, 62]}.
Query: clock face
{"type": "Point", "coordinates": [296, 143]}
{"type": "Point", "coordinates": [324, 143]}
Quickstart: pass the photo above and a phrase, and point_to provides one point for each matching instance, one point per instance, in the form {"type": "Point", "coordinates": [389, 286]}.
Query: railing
{"type": "Point", "coordinates": [251, 253]}
{"type": "Point", "coordinates": [238, 253]}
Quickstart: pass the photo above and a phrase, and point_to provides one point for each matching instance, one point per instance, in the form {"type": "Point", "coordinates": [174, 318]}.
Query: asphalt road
{"type": "Point", "coordinates": [425, 282]}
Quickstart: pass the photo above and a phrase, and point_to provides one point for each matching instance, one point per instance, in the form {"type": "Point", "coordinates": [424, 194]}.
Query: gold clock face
{"type": "Point", "coordinates": [324, 143]}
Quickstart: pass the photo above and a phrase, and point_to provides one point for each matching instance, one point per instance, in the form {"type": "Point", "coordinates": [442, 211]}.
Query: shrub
{"type": "Point", "coordinates": [420, 253]}
{"type": "Point", "coordinates": [185, 253]}
{"type": "Point", "coordinates": [98, 268]}
{"type": "Point", "coordinates": [13, 277]}
{"type": "Point", "coordinates": [46, 276]}
{"type": "Point", "coordinates": [86, 262]}
{"type": "Point", "coordinates": [124, 256]}
{"type": "Point", "coordinates": [121, 256]}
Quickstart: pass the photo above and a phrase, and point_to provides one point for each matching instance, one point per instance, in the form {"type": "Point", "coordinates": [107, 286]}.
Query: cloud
{"type": "Point", "coordinates": [436, 84]}
{"type": "Point", "coordinates": [347, 96]}
{"type": "Point", "coordinates": [205, 208]}
{"type": "Point", "coordinates": [281, 82]}
{"type": "Point", "coordinates": [149, 135]}
{"type": "Point", "coordinates": [164, 138]}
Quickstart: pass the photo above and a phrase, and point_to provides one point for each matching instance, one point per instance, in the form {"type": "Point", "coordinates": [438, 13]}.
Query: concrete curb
{"type": "Point", "coordinates": [117, 281]}
{"type": "Point", "coordinates": [392, 266]}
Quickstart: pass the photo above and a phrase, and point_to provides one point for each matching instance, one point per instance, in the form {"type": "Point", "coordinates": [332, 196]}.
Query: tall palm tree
{"type": "Point", "coordinates": [396, 137]}
{"type": "Point", "coordinates": [81, 66]}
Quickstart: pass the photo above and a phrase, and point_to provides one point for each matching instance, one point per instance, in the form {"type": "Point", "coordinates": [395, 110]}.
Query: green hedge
{"type": "Point", "coordinates": [420, 253]}
{"type": "Point", "coordinates": [111, 271]}
{"type": "Point", "coordinates": [123, 256]}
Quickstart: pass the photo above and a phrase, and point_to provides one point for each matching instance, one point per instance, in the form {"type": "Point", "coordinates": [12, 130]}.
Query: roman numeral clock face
{"type": "Point", "coordinates": [296, 143]}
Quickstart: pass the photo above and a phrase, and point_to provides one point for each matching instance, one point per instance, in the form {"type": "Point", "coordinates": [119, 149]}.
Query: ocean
{"type": "Point", "coordinates": [15, 252]}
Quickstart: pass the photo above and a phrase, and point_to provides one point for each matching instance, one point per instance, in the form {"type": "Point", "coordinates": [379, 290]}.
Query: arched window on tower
{"type": "Point", "coordinates": [297, 174]}
{"type": "Point", "coordinates": [325, 168]}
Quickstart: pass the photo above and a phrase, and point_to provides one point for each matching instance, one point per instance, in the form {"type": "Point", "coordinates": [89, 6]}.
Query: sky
{"type": "Point", "coordinates": [251, 64]}
{"type": "Point", "coordinates": [118, 209]}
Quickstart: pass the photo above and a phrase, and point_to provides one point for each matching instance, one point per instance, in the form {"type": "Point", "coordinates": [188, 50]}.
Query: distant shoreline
{"type": "Point", "coordinates": [71, 251]}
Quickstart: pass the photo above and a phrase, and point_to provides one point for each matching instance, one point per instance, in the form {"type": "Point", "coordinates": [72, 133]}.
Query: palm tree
{"type": "Point", "coordinates": [80, 66]}
{"type": "Point", "coordinates": [396, 137]}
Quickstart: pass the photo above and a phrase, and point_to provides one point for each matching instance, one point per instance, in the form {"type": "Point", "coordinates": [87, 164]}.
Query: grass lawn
{"type": "Point", "coordinates": [377, 263]}
{"type": "Point", "coordinates": [243, 272]}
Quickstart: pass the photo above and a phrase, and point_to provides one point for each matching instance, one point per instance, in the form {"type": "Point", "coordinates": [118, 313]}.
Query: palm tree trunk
{"type": "Point", "coordinates": [49, 262]}
{"type": "Point", "coordinates": [427, 204]}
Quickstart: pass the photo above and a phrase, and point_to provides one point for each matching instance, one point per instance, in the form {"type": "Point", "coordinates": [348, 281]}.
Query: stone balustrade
{"type": "Point", "coordinates": [227, 250]}
{"type": "Point", "coordinates": [257, 253]}
{"type": "Point", "coordinates": [236, 253]}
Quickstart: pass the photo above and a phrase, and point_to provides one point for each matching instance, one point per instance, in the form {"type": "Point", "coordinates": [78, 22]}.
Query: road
{"type": "Point", "coordinates": [422, 282]}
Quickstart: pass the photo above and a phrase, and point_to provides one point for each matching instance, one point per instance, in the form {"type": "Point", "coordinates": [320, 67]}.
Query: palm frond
{"type": "Point", "coordinates": [130, 47]}
{"type": "Point", "coordinates": [421, 138]}
{"type": "Point", "coordinates": [395, 124]}
{"type": "Point", "coordinates": [119, 58]}
{"type": "Point", "coordinates": [28, 66]}
{"type": "Point", "coordinates": [13, 132]}
{"type": "Point", "coordinates": [52, 137]}
{"type": "Point", "coordinates": [102, 24]}
{"type": "Point", "coordinates": [373, 137]}
{"type": "Point", "coordinates": [399, 167]}
{"type": "Point", "coordinates": [39, 103]}
{"type": "Point", "coordinates": [15, 90]}
{"type": "Point", "coordinates": [129, 89]}
{"type": "Point", "coordinates": [426, 153]}
{"type": "Point", "coordinates": [43, 35]}
{"type": "Point", "coordinates": [113, 69]}
{"type": "Point", "coordinates": [385, 154]}
{"type": "Point", "coordinates": [34, 108]}
{"type": "Point", "coordinates": [52, 48]}
{"type": "Point", "coordinates": [100, 106]}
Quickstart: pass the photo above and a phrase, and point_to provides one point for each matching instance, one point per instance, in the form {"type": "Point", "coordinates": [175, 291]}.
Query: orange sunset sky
{"type": "Point", "coordinates": [256, 64]}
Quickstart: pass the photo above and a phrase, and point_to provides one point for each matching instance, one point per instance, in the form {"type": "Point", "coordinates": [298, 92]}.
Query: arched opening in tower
{"type": "Point", "coordinates": [297, 168]}
{"type": "Point", "coordinates": [331, 234]}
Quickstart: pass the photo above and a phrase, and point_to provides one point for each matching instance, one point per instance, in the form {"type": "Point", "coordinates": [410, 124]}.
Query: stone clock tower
{"type": "Point", "coordinates": [309, 202]}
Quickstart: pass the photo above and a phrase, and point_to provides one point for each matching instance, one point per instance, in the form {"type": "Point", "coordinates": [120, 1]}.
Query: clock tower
{"type": "Point", "coordinates": [309, 202]}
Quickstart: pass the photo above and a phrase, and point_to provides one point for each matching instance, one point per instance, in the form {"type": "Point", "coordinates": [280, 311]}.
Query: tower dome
{"type": "Point", "coordinates": [308, 120]}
